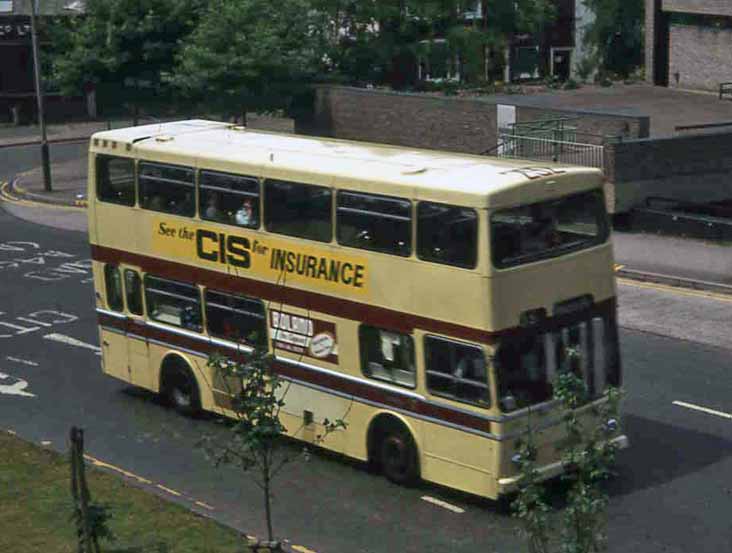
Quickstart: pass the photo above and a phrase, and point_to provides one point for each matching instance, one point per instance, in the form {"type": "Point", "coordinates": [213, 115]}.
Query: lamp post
{"type": "Point", "coordinates": [39, 97]}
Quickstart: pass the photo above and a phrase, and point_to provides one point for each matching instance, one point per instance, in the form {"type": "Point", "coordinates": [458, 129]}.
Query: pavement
{"type": "Point", "coordinates": [672, 261]}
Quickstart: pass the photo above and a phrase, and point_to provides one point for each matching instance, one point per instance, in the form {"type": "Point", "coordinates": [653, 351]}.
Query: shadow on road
{"type": "Point", "coordinates": [660, 453]}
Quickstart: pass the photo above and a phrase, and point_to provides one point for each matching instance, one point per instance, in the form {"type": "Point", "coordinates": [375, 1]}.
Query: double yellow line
{"type": "Point", "coordinates": [7, 196]}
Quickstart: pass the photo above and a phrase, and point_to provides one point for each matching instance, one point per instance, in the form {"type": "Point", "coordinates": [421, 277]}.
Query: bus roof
{"type": "Point", "coordinates": [424, 174]}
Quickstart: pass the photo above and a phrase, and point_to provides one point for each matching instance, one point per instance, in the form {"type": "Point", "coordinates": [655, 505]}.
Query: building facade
{"type": "Point", "coordinates": [689, 43]}
{"type": "Point", "coordinates": [17, 85]}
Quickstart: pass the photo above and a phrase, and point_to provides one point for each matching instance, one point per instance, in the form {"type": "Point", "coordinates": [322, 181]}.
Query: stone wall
{"type": "Point", "coordinates": [700, 57]}
{"type": "Point", "coordinates": [696, 168]}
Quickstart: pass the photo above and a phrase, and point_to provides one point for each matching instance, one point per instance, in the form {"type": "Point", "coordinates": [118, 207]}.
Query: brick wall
{"type": "Point", "coordinates": [447, 123]}
{"type": "Point", "coordinates": [694, 168]}
{"type": "Point", "coordinates": [708, 7]}
{"type": "Point", "coordinates": [404, 119]}
{"type": "Point", "coordinates": [701, 57]}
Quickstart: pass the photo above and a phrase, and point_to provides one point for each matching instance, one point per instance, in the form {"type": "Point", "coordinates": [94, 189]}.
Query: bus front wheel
{"type": "Point", "coordinates": [398, 456]}
{"type": "Point", "coordinates": [180, 390]}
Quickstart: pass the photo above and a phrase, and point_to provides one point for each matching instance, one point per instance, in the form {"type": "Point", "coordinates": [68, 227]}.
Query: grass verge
{"type": "Point", "coordinates": [36, 508]}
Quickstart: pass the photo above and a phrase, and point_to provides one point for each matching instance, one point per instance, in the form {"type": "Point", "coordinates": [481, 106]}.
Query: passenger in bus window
{"type": "Point", "coordinates": [212, 210]}
{"type": "Point", "coordinates": [245, 215]}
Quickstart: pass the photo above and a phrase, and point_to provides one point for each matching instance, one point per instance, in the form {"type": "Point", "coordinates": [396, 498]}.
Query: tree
{"type": "Point", "coordinates": [588, 456]}
{"type": "Point", "coordinates": [251, 55]}
{"type": "Point", "coordinates": [255, 441]}
{"type": "Point", "coordinates": [125, 47]}
{"type": "Point", "coordinates": [616, 35]}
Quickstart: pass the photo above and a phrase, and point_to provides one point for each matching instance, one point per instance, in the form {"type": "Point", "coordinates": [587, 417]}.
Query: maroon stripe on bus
{"type": "Point", "coordinates": [358, 390]}
{"type": "Point", "coordinates": [278, 293]}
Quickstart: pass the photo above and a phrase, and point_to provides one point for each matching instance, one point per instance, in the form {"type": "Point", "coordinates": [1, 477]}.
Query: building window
{"type": "Point", "coordinates": [387, 356]}
{"type": "Point", "coordinates": [447, 234]}
{"type": "Point", "coordinates": [236, 318]}
{"type": "Point", "coordinates": [375, 223]}
{"type": "Point", "coordinates": [116, 180]}
{"type": "Point", "coordinates": [230, 199]}
{"type": "Point", "coordinates": [297, 209]}
{"type": "Point", "coordinates": [167, 188]}
{"type": "Point", "coordinates": [133, 292]}
{"type": "Point", "coordinates": [456, 371]}
{"type": "Point", "coordinates": [173, 303]}
{"type": "Point", "coordinates": [113, 285]}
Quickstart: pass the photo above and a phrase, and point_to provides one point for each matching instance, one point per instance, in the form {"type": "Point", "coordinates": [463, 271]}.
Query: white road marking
{"type": "Point", "coordinates": [703, 409]}
{"type": "Point", "coordinates": [204, 505]}
{"type": "Point", "coordinates": [172, 492]}
{"type": "Point", "coordinates": [16, 388]}
{"type": "Point", "coordinates": [68, 340]}
{"type": "Point", "coordinates": [21, 361]}
{"type": "Point", "coordinates": [45, 443]}
{"type": "Point", "coordinates": [443, 504]}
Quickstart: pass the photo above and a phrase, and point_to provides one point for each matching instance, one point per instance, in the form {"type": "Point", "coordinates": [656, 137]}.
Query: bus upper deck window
{"type": "Point", "coordinates": [377, 223]}
{"type": "Point", "coordinates": [167, 188]}
{"type": "Point", "coordinates": [542, 230]}
{"type": "Point", "coordinates": [298, 209]}
{"type": "Point", "coordinates": [116, 180]}
{"type": "Point", "coordinates": [447, 234]}
{"type": "Point", "coordinates": [230, 199]}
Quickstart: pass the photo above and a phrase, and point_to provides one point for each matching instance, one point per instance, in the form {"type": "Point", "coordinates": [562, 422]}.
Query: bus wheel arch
{"type": "Point", "coordinates": [178, 385]}
{"type": "Point", "coordinates": [392, 449]}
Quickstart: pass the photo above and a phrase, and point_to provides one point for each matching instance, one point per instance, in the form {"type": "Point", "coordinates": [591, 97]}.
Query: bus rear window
{"type": "Point", "coordinates": [533, 232]}
{"type": "Point", "coordinates": [116, 180]}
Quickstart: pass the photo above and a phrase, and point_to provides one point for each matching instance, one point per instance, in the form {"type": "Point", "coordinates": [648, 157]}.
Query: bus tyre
{"type": "Point", "coordinates": [398, 456]}
{"type": "Point", "coordinates": [181, 391]}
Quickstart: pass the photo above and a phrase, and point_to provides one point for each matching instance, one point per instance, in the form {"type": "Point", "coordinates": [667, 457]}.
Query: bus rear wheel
{"type": "Point", "coordinates": [180, 390]}
{"type": "Point", "coordinates": [398, 457]}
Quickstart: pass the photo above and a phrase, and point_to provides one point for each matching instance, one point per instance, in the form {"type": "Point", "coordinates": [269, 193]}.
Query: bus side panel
{"type": "Point", "coordinates": [460, 460]}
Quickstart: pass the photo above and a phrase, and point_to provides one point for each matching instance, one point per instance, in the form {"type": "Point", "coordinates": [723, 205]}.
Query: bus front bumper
{"type": "Point", "coordinates": [509, 485]}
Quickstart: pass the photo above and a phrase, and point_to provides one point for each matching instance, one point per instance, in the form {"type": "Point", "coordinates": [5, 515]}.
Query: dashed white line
{"type": "Point", "coordinates": [21, 361]}
{"type": "Point", "coordinates": [703, 409]}
{"type": "Point", "coordinates": [443, 504]}
{"type": "Point", "coordinates": [204, 505]}
{"type": "Point", "coordinates": [68, 340]}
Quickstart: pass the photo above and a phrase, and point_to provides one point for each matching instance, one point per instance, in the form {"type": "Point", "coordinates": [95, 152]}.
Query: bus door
{"type": "Point", "coordinates": [137, 342]}
{"type": "Point", "coordinates": [457, 376]}
{"type": "Point", "coordinates": [112, 334]}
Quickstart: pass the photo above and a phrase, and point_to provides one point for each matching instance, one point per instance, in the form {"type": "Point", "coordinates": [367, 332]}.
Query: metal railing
{"type": "Point", "coordinates": [547, 149]}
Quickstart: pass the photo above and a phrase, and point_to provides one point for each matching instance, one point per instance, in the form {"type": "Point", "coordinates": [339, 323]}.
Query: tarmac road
{"type": "Point", "coordinates": [672, 493]}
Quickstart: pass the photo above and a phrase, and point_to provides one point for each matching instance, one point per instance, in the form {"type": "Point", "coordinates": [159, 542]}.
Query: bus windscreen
{"type": "Point", "coordinates": [538, 231]}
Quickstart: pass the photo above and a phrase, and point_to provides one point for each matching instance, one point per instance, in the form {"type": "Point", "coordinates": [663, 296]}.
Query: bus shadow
{"type": "Point", "coordinates": [660, 453]}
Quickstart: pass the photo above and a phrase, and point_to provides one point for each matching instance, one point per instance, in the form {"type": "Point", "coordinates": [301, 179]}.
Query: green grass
{"type": "Point", "coordinates": [36, 507]}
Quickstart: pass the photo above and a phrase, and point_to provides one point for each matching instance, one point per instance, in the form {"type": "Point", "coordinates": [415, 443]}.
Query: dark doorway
{"type": "Point", "coordinates": [661, 46]}
{"type": "Point", "coordinates": [562, 64]}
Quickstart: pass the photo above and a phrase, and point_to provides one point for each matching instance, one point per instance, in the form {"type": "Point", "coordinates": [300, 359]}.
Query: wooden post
{"type": "Point", "coordinates": [87, 541]}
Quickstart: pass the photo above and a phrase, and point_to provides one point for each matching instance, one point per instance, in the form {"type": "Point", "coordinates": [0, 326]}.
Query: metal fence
{"type": "Point", "coordinates": [550, 149]}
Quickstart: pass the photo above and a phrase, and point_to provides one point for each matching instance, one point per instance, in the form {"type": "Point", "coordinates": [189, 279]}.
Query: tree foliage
{"type": "Point", "coordinates": [616, 35]}
{"type": "Point", "coordinates": [251, 54]}
{"type": "Point", "coordinates": [254, 442]}
{"type": "Point", "coordinates": [587, 456]}
{"type": "Point", "coordinates": [125, 46]}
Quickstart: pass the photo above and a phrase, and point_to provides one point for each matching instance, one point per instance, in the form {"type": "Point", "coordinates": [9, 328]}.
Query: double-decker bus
{"type": "Point", "coordinates": [426, 298]}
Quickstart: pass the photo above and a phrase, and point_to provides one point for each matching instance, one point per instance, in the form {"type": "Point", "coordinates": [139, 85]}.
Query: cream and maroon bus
{"type": "Point", "coordinates": [427, 298]}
